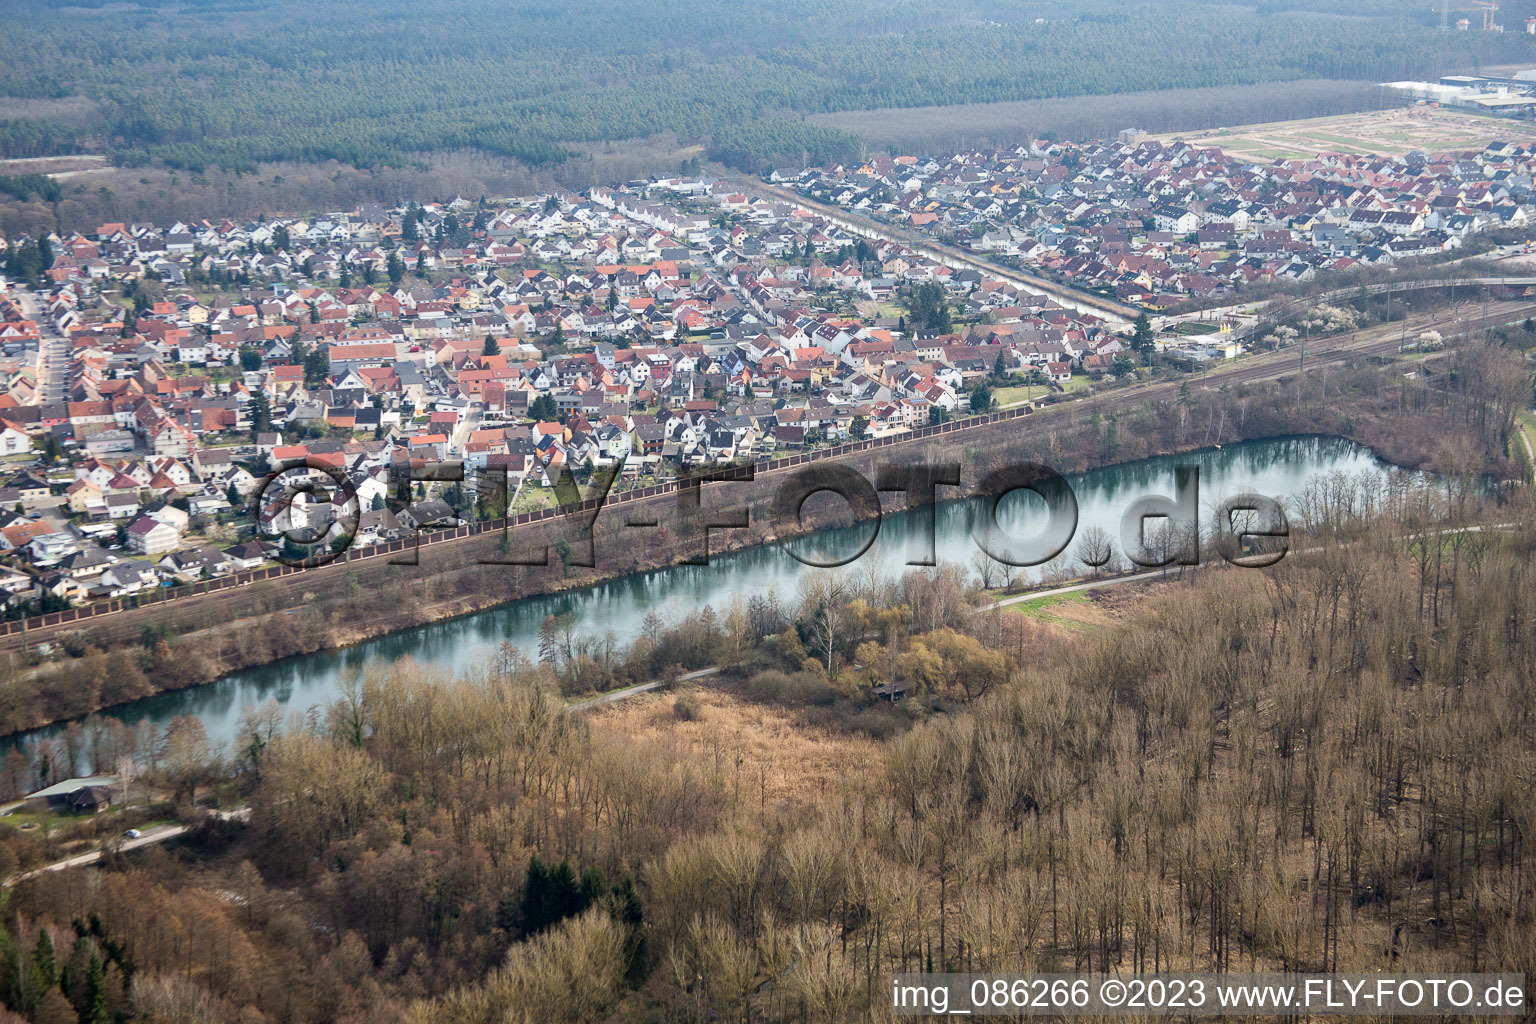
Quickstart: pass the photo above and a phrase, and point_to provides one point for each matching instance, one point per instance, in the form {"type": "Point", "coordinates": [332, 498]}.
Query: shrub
{"type": "Point", "coordinates": [799, 688]}
{"type": "Point", "coordinates": [687, 708]}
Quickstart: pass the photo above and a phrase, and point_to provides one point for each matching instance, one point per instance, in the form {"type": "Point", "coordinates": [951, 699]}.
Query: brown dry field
{"type": "Point", "coordinates": [767, 751]}
{"type": "Point", "coordinates": [1006, 123]}
{"type": "Point", "coordinates": [772, 751]}
{"type": "Point", "coordinates": [1065, 619]}
{"type": "Point", "coordinates": [1392, 133]}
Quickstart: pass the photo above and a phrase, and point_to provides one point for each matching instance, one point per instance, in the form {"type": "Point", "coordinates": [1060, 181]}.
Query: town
{"type": "Point", "coordinates": [156, 375]}
{"type": "Point", "coordinates": [1160, 223]}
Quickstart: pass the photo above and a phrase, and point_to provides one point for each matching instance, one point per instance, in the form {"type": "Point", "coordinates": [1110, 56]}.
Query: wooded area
{"type": "Point", "coordinates": [1322, 767]}
{"type": "Point", "coordinates": [239, 84]}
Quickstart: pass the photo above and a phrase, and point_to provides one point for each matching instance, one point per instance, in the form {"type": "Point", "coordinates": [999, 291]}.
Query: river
{"type": "Point", "coordinates": [1276, 468]}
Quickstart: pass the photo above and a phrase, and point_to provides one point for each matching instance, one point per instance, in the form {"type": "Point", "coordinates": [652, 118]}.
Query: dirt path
{"type": "Point", "coordinates": [1530, 456]}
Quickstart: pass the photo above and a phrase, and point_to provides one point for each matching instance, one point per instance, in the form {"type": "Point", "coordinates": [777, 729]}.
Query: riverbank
{"type": "Point", "coordinates": [741, 593]}
{"type": "Point", "coordinates": [129, 657]}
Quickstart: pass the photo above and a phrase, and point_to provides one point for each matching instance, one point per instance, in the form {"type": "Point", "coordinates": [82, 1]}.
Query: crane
{"type": "Point", "coordinates": [1487, 7]}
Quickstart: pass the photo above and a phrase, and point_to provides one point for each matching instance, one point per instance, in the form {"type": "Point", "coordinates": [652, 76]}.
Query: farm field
{"type": "Point", "coordinates": [1392, 133]}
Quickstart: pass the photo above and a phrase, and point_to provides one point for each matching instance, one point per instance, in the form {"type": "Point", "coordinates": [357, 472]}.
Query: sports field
{"type": "Point", "coordinates": [1390, 133]}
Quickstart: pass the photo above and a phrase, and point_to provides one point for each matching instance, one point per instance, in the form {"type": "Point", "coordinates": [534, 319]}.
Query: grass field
{"type": "Point", "coordinates": [534, 498]}
{"type": "Point", "coordinates": [1073, 612]}
{"type": "Point", "coordinates": [1006, 397]}
{"type": "Point", "coordinates": [1040, 604]}
{"type": "Point", "coordinates": [1011, 396]}
{"type": "Point", "coordinates": [1392, 133]}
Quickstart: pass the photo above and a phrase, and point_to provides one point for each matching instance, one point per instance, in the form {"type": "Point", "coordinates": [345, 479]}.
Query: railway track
{"type": "Point", "coordinates": [1372, 341]}
{"type": "Point", "coordinates": [1118, 313]}
{"type": "Point", "coordinates": [1384, 340]}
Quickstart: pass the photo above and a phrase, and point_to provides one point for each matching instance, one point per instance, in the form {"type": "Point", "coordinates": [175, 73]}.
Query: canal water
{"type": "Point", "coordinates": [1276, 468]}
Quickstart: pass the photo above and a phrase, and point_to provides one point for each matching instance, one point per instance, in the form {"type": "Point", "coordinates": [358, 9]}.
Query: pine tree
{"type": "Point", "coordinates": [542, 409]}
{"type": "Point", "coordinates": [94, 1009]}
{"type": "Point", "coordinates": [552, 894]}
{"type": "Point", "coordinates": [1142, 341]}
{"type": "Point", "coordinates": [261, 414]}
{"type": "Point", "coordinates": [317, 367]}
{"type": "Point", "coordinates": [41, 975]}
{"type": "Point", "coordinates": [981, 398]}
{"type": "Point", "coordinates": [626, 909]}
{"type": "Point", "coordinates": [44, 963]}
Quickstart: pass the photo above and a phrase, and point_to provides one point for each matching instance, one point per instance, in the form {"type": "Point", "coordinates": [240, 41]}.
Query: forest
{"type": "Point", "coordinates": [234, 84]}
{"type": "Point", "coordinates": [1322, 767]}
{"type": "Point", "coordinates": [1325, 765]}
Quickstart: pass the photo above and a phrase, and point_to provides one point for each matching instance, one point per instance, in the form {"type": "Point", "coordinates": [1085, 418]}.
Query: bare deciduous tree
{"type": "Point", "coordinates": [1095, 548]}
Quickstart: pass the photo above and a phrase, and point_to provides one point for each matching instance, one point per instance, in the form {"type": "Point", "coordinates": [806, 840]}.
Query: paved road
{"type": "Point", "coordinates": [53, 370]}
{"type": "Point", "coordinates": [159, 834]}
{"type": "Point", "coordinates": [1152, 575]}
{"type": "Point", "coordinates": [638, 688]}
{"type": "Point", "coordinates": [1035, 595]}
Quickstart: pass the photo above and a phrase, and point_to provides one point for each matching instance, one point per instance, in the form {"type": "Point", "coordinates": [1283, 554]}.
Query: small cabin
{"type": "Point", "coordinates": [89, 800]}
{"type": "Point", "coordinates": [79, 796]}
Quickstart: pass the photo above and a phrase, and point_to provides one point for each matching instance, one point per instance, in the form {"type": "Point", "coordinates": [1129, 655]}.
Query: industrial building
{"type": "Point", "coordinates": [1503, 96]}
